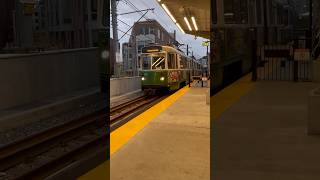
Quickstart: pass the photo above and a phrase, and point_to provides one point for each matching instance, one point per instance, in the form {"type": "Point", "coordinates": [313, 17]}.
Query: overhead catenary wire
{"type": "Point", "coordinates": [138, 11]}
{"type": "Point", "coordinates": [162, 22]}
{"type": "Point", "coordinates": [154, 16]}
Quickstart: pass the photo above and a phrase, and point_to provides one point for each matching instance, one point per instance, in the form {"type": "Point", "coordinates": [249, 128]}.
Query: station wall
{"type": "Point", "coordinates": [120, 86]}
{"type": "Point", "coordinates": [26, 79]}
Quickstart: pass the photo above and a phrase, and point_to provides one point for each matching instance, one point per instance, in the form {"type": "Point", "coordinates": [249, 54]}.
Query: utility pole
{"type": "Point", "coordinates": [187, 49]}
{"type": "Point", "coordinates": [207, 61]}
{"type": "Point", "coordinates": [174, 37]}
{"type": "Point", "coordinates": [114, 32]}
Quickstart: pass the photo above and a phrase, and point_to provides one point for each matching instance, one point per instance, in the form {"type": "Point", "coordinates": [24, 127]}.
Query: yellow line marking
{"type": "Point", "coordinates": [122, 135]}
{"type": "Point", "coordinates": [230, 95]}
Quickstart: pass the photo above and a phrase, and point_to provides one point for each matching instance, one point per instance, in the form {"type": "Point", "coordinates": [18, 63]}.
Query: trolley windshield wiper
{"type": "Point", "coordinates": [159, 62]}
{"type": "Point", "coordinates": [156, 61]}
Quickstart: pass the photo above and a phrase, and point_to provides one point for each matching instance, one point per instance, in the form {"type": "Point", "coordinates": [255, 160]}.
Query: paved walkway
{"type": "Point", "coordinates": [262, 135]}
{"type": "Point", "coordinates": [173, 146]}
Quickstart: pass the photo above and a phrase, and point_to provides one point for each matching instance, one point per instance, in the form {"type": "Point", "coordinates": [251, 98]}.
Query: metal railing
{"type": "Point", "coordinates": [289, 62]}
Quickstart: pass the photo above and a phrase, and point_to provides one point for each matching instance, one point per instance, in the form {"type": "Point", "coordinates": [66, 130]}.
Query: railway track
{"type": "Point", "coordinates": [119, 112]}
{"type": "Point", "coordinates": [45, 153]}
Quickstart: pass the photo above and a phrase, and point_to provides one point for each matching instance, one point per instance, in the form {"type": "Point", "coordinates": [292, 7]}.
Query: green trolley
{"type": "Point", "coordinates": [166, 68]}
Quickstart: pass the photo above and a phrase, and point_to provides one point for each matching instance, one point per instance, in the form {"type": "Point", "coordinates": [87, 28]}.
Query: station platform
{"type": "Point", "coordinates": [260, 132]}
{"type": "Point", "coordinates": [171, 140]}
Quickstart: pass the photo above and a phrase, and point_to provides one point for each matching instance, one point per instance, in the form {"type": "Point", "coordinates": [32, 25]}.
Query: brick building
{"type": "Point", "coordinates": [143, 33]}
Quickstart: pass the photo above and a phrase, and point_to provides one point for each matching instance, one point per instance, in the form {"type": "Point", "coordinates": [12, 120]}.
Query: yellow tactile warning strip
{"type": "Point", "coordinates": [122, 135]}
{"type": "Point", "coordinates": [231, 94]}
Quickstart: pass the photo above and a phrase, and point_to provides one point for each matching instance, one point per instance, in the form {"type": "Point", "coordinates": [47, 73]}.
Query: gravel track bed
{"type": "Point", "coordinates": [29, 129]}
{"type": "Point", "coordinates": [53, 152]}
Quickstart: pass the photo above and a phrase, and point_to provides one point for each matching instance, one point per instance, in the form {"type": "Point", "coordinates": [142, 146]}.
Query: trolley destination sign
{"type": "Point", "coordinates": [151, 49]}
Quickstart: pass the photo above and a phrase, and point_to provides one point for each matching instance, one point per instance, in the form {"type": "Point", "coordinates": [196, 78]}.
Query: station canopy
{"type": "Point", "coordinates": [190, 15]}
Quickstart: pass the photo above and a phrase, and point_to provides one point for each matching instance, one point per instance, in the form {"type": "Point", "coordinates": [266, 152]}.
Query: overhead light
{"type": "Point", "coordinates": [168, 12]}
{"type": "Point", "coordinates": [188, 24]}
{"type": "Point", "coordinates": [159, 0]}
{"type": "Point", "coordinates": [180, 28]}
{"type": "Point", "coordinates": [194, 23]}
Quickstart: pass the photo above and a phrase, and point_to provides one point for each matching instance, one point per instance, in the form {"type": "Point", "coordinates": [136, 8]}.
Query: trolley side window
{"type": "Point", "coordinates": [183, 62]}
{"type": "Point", "coordinates": [172, 61]}
{"type": "Point", "coordinates": [188, 64]}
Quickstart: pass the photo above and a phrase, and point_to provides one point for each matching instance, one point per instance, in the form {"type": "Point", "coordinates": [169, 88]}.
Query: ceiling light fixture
{"type": "Point", "coordinates": [194, 23]}
{"type": "Point", "coordinates": [180, 28]}
{"type": "Point", "coordinates": [168, 12]}
{"type": "Point", "coordinates": [188, 24]}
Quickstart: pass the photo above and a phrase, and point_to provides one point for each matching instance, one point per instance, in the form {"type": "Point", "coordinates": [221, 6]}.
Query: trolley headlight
{"type": "Point", "coordinates": [162, 79]}
{"type": "Point", "coordinates": [143, 78]}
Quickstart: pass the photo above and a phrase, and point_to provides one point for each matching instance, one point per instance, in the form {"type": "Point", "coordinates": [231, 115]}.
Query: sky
{"type": "Point", "coordinates": [160, 15]}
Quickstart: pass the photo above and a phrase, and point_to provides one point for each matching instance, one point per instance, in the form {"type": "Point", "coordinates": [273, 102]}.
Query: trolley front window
{"type": "Point", "coordinates": [153, 61]}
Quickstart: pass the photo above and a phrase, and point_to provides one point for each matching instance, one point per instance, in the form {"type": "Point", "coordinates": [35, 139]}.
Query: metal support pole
{"type": "Point", "coordinates": [254, 55]}
{"type": "Point", "coordinates": [295, 63]}
{"type": "Point", "coordinates": [189, 78]}
{"type": "Point", "coordinates": [295, 71]}
{"type": "Point", "coordinates": [207, 61]}
{"type": "Point", "coordinates": [202, 80]}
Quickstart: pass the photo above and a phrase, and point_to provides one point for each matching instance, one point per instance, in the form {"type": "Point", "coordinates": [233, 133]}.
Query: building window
{"type": "Point", "coordinates": [158, 33]}
{"type": "Point", "coordinates": [151, 30]}
{"type": "Point", "coordinates": [142, 30]}
{"type": "Point", "coordinates": [140, 48]}
{"type": "Point", "coordinates": [148, 42]}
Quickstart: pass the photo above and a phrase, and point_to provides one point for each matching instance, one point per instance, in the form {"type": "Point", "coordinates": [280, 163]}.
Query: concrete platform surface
{"type": "Point", "coordinates": [263, 135]}
{"type": "Point", "coordinates": [175, 145]}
